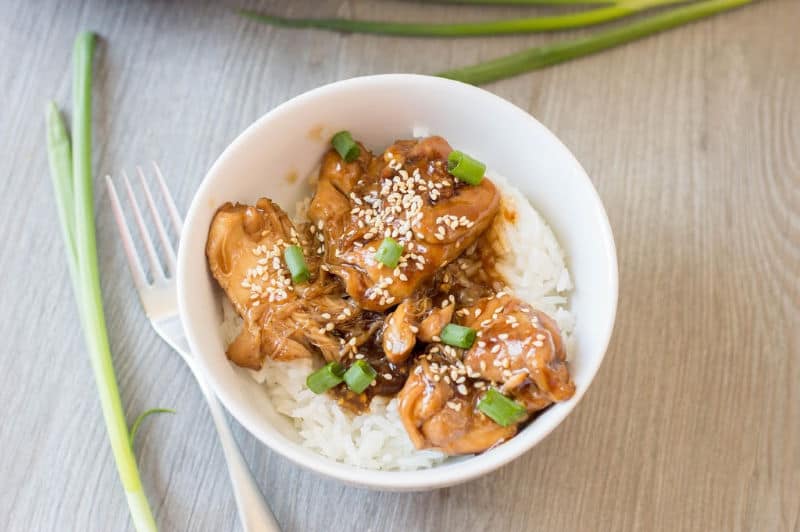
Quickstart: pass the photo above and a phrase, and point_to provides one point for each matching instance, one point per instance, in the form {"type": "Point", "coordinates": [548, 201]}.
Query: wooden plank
{"type": "Point", "coordinates": [693, 140]}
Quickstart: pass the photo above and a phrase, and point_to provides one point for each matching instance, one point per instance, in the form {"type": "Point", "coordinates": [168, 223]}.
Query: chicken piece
{"type": "Point", "coordinates": [435, 413]}
{"type": "Point", "coordinates": [432, 325]}
{"type": "Point", "coordinates": [519, 346]}
{"type": "Point", "coordinates": [245, 255]}
{"type": "Point", "coordinates": [407, 194]}
{"type": "Point", "coordinates": [398, 335]}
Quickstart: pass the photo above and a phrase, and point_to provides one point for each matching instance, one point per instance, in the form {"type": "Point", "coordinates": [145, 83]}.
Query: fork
{"type": "Point", "coordinates": [159, 299]}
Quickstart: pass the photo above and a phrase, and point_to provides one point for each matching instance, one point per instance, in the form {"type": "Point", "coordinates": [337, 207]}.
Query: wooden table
{"type": "Point", "coordinates": [692, 139]}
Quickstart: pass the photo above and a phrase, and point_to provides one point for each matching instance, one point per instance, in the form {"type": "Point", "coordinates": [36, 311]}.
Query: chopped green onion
{"type": "Point", "coordinates": [558, 52]}
{"type": "Point", "coordinates": [296, 263]}
{"type": "Point", "coordinates": [458, 335]}
{"type": "Point", "coordinates": [501, 409]}
{"type": "Point", "coordinates": [345, 146]}
{"type": "Point", "coordinates": [325, 377]}
{"type": "Point", "coordinates": [389, 252]}
{"type": "Point", "coordinates": [359, 376]}
{"type": "Point", "coordinates": [465, 168]}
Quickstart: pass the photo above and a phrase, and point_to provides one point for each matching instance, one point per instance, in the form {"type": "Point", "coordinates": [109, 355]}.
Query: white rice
{"type": "Point", "coordinates": [377, 440]}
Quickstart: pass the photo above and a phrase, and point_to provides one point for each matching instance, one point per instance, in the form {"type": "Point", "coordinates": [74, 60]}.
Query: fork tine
{"type": "Point", "coordinates": [177, 222]}
{"type": "Point", "coordinates": [152, 257]}
{"type": "Point", "coordinates": [125, 234]}
{"type": "Point", "coordinates": [162, 233]}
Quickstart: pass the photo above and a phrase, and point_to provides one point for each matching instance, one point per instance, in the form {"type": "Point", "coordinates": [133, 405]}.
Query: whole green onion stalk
{"type": "Point", "coordinates": [523, 2]}
{"type": "Point", "coordinates": [72, 179]}
{"type": "Point", "coordinates": [580, 19]}
{"type": "Point", "coordinates": [559, 52]}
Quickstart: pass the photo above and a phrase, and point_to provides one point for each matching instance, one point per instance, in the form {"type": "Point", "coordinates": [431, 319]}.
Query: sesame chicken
{"type": "Point", "coordinates": [397, 314]}
{"type": "Point", "coordinates": [408, 195]}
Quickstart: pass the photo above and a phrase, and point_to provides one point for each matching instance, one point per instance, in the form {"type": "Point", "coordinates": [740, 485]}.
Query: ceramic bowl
{"type": "Point", "coordinates": [272, 157]}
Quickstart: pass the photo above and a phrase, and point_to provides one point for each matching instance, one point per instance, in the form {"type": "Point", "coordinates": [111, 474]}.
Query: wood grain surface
{"type": "Point", "coordinates": [692, 138]}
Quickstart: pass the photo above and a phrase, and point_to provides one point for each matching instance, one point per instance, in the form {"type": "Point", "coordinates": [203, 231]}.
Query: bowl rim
{"type": "Point", "coordinates": [446, 474]}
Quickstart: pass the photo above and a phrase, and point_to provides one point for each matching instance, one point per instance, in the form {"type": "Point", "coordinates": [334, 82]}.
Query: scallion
{"type": "Point", "coordinates": [525, 2]}
{"type": "Point", "coordinates": [296, 263]}
{"type": "Point", "coordinates": [559, 52]}
{"type": "Point", "coordinates": [465, 168]}
{"type": "Point", "coordinates": [359, 376]}
{"type": "Point", "coordinates": [580, 19]}
{"type": "Point", "coordinates": [501, 409]}
{"type": "Point", "coordinates": [389, 252]}
{"type": "Point", "coordinates": [345, 146]}
{"type": "Point", "coordinates": [325, 378]}
{"type": "Point", "coordinates": [458, 335]}
{"type": "Point", "coordinates": [141, 417]}
{"type": "Point", "coordinates": [73, 188]}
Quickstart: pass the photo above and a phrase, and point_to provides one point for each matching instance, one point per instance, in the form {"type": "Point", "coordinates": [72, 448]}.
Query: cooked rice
{"type": "Point", "coordinates": [377, 440]}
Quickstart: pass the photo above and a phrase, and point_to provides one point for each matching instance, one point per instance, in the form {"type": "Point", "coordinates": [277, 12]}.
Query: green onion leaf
{"type": "Point", "coordinates": [389, 252]}
{"type": "Point", "coordinates": [465, 168]}
{"type": "Point", "coordinates": [59, 153]}
{"type": "Point", "coordinates": [526, 2]}
{"type": "Point", "coordinates": [359, 376]}
{"type": "Point", "coordinates": [296, 263]}
{"type": "Point", "coordinates": [579, 19]}
{"type": "Point", "coordinates": [501, 409]}
{"type": "Point", "coordinates": [550, 54]}
{"type": "Point", "coordinates": [140, 418]}
{"type": "Point", "coordinates": [345, 146]}
{"type": "Point", "coordinates": [325, 378]}
{"type": "Point", "coordinates": [458, 335]}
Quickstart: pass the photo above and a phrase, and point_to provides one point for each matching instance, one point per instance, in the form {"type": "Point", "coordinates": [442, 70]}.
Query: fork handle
{"type": "Point", "coordinates": [254, 514]}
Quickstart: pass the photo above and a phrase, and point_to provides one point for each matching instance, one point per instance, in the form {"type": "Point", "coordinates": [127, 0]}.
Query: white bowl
{"type": "Point", "coordinates": [289, 141]}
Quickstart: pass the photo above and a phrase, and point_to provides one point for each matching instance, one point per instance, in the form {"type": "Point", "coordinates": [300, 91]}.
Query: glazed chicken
{"type": "Point", "coordinates": [519, 350]}
{"type": "Point", "coordinates": [355, 310]}
{"type": "Point", "coordinates": [406, 194]}
{"type": "Point", "coordinates": [435, 413]}
{"type": "Point", "coordinates": [245, 255]}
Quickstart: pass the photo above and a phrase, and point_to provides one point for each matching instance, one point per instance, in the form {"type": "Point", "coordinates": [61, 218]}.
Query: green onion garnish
{"type": "Point", "coordinates": [359, 376]}
{"type": "Point", "coordinates": [325, 377]}
{"type": "Point", "coordinates": [458, 335]}
{"type": "Point", "coordinates": [465, 168]}
{"type": "Point", "coordinates": [345, 146]}
{"type": "Point", "coordinates": [296, 263]}
{"type": "Point", "coordinates": [389, 252]}
{"type": "Point", "coordinates": [501, 409]}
